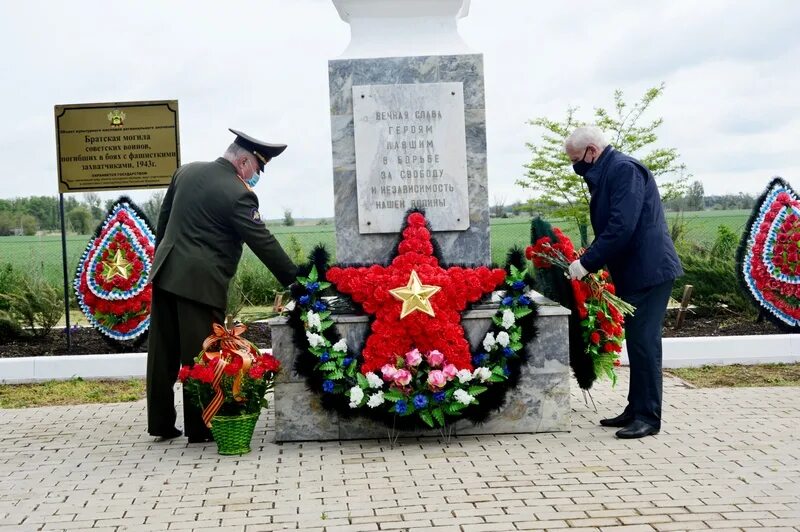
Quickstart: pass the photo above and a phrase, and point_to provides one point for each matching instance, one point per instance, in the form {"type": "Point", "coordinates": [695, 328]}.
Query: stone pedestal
{"type": "Point", "coordinates": [539, 404]}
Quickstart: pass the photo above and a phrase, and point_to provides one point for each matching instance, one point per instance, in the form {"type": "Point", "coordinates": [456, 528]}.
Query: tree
{"type": "Point", "coordinates": [80, 219]}
{"type": "Point", "coordinates": [6, 223]}
{"type": "Point", "coordinates": [29, 224]}
{"type": "Point", "coordinates": [563, 192]}
{"type": "Point", "coordinates": [288, 220]}
{"type": "Point", "coordinates": [498, 210]}
{"type": "Point", "coordinates": [93, 201]}
{"type": "Point", "coordinates": [152, 206]}
{"type": "Point", "coordinates": [694, 197]}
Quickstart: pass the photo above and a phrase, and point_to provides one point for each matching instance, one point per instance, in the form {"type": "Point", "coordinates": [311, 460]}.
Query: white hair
{"type": "Point", "coordinates": [234, 151]}
{"type": "Point", "coordinates": [583, 136]}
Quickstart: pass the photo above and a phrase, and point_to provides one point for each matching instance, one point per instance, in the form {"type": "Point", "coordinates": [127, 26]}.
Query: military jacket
{"type": "Point", "coordinates": [207, 213]}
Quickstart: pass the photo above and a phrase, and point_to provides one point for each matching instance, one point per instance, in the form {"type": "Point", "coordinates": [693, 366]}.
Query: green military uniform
{"type": "Point", "coordinates": [207, 213]}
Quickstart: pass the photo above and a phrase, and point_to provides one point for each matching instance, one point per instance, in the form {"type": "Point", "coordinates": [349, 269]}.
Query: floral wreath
{"type": "Point", "coordinates": [112, 284]}
{"type": "Point", "coordinates": [600, 311]}
{"type": "Point", "coordinates": [768, 258]}
{"type": "Point", "coordinates": [416, 369]}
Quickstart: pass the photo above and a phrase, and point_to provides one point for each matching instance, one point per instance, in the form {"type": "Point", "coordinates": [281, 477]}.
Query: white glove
{"type": "Point", "coordinates": [577, 271]}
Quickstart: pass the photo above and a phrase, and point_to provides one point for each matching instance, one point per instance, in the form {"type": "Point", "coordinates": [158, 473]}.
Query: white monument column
{"type": "Point", "coordinates": [391, 28]}
{"type": "Point", "coordinates": [408, 130]}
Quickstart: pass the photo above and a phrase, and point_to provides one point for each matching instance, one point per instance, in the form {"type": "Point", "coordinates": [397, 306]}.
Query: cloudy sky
{"type": "Point", "coordinates": [731, 68]}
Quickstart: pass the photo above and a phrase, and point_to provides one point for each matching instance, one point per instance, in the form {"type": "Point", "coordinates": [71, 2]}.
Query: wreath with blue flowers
{"type": "Point", "coordinates": [405, 383]}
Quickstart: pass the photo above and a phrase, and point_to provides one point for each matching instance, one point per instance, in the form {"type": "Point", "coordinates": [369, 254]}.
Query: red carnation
{"type": "Point", "coordinates": [595, 337]}
{"type": "Point", "coordinates": [256, 372]}
{"type": "Point", "coordinates": [608, 347]}
{"type": "Point", "coordinates": [233, 366]}
{"type": "Point", "coordinates": [183, 373]}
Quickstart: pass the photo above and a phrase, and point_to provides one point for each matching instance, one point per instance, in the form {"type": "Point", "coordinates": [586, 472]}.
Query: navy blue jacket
{"type": "Point", "coordinates": [631, 235]}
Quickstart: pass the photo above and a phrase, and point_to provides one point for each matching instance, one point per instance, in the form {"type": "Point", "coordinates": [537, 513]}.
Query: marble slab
{"type": "Point", "coordinates": [464, 235]}
{"type": "Point", "coordinates": [410, 152]}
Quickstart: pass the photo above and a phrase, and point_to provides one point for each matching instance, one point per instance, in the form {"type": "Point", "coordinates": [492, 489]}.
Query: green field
{"type": "Point", "coordinates": [43, 253]}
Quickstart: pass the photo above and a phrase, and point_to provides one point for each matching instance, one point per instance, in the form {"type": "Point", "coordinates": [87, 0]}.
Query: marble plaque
{"type": "Point", "coordinates": [410, 147]}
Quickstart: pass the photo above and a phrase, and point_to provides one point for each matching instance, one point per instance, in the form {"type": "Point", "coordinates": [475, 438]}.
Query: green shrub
{"type": "Point", "coordinates": [35, 304]}
{"type": "Point", "coordinates": [10, 281]}
{"type": "Point", "coordinates": [9, 328]}
{"type": "Point", "coordinates": [711, 270]}
{"type": "Point", "coordinates": [258, 285]}
{"type": "Point", "coordinates": [235, 299]}
{"type": "Point", "coordinates": [295, 250]}
{"type": "Point", "coordinates": [725, 244]}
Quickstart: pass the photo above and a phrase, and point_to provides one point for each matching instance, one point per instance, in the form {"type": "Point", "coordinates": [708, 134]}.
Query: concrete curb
{"type": "Point", "coordinates": [678, 353]}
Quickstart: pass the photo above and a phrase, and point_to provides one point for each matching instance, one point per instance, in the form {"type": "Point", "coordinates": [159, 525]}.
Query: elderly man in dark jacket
{"type": "Point", "coordinates": [632, 240]}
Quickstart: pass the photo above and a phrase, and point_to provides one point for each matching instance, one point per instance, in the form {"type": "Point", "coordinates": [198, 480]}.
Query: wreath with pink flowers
{"type": "Point", "coordinates": [416, 369]}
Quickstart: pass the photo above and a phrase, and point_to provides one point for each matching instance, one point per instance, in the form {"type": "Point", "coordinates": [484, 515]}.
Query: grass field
{"type": "Point", "coordinates": [43, 253]}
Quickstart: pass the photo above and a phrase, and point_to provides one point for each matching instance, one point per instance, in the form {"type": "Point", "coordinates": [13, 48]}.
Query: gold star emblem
{"type": "Point", "coordinates": [415, 296]}
{"type": "Point", "coordinates": [117, 266]}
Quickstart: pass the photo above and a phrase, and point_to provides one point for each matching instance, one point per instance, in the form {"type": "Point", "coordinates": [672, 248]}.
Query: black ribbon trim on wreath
{"type": "Point", "coordinates": [489, 401]}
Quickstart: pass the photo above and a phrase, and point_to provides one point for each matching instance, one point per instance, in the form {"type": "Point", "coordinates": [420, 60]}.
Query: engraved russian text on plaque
{"type": "Point", "coordinates": [410, 147]}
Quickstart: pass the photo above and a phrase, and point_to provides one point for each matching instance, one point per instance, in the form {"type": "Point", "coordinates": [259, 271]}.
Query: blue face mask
{"type": "Point", "coordinates": [253, 180]}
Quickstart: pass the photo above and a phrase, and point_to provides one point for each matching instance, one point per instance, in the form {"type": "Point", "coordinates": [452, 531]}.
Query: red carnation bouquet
{"type": "Point", "coordinates": [602, 312]}
{"type": "Point", "coordinates": [230, 376]}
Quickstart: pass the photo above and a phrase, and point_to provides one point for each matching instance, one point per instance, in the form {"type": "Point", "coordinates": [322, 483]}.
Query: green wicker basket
{"type": "Point", "coordinates": [233, 433]}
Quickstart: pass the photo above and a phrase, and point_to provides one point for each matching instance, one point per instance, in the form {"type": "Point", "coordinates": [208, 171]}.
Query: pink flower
{"type": "Point", "coordinates": [450, 371]}
{"type": "Point", "coordinates": [413, 357]}
{"type": "Point", "coordinates": [435, 358]}
{"type": "Point", "coordinates": [389, 372]}
{"type": "Point", "coordinates": [437, 378]}
{"type": "Point", "coordinates": [402, 377]}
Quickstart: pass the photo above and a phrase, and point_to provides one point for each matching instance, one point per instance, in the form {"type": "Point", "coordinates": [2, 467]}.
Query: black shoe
{"type": "Point", "coordinates": [637, 429]}
{"type": "Point", "coordinates": [167, 435]}
{"type": "Point", "coordinates": [622, 420]}
{"type": "Point", "coordinates": [201, 439]}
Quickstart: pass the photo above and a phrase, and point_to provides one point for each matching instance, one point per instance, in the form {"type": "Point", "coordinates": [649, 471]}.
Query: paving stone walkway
{"type": "Point", "coordinates": [726, 459]}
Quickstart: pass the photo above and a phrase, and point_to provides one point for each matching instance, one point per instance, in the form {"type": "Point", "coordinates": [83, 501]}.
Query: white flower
{"type": "Point", "coordinates": [463, 397]}
{"type": "Point", "coordinates": [464, 375]}
{"type": "Point", "coordinates": [356, 395]}
{"type": "Point", "coordinates": [489, 341]}
{"type": "Point", "coordinates": [374, 380]}
{"type": "Point", "coordinates": [313, 321]}
{"type": "Point", "coordinates": [341, 346]}
{"type": "Point", "coordinates": [314, 340]}
{"type": "Point", "coordinates": [503, 339]}
{"type": "Point", "coordinates": [508, 318]}
{"type": "Point", "coordinates": [482, 373]}
{"type": "Point", "coordinates": [375, 400]}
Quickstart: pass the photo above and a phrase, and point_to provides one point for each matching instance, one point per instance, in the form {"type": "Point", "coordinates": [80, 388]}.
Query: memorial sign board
{"type": "Point", "coordinates": [410, 151]}
{"type": "Point", "coordinates": [113, 146]}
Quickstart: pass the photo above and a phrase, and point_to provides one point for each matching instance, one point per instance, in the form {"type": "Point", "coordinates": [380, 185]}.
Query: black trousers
{"type": "Point", "coordinates": [178, 327]}
{"type": "Point", "coordinates": [643, 341]}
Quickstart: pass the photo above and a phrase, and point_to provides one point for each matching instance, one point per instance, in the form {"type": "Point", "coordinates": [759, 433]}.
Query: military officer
{"type": "Point", "coordinates": [208, 211]}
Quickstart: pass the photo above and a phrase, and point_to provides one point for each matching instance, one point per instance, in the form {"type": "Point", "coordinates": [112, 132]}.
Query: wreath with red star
{"type": "Point", "coordinates": [416, 369]}
{"type": "Point", "coordinates": [112, 279]}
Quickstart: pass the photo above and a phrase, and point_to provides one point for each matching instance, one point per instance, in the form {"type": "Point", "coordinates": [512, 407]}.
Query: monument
{"type": "Point", "coordinates": [408, 130]}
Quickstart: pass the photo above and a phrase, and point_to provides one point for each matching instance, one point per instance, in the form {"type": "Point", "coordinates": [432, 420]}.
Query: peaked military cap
{"type": "Point", "coordinates": [264, 151]}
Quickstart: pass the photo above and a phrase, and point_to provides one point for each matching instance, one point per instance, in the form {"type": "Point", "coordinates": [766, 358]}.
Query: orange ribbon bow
{"type": "Point", "coordinates": [231, 344]}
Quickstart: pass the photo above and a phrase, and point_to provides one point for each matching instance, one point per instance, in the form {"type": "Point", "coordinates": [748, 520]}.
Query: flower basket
{"type": "Point", "coordinates": [229, 381]}
{"type": "Point", "coordinates": [233, 433]}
